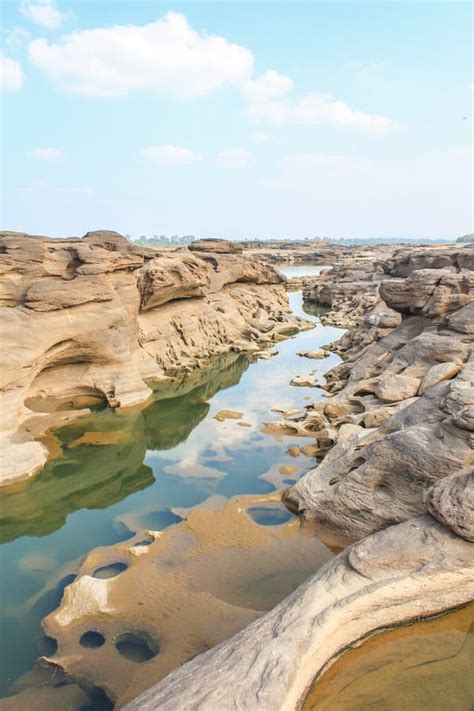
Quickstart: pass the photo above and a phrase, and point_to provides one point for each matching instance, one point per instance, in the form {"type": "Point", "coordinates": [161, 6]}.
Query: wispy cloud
{"type": "Point", "coordinates": [48, 154]}
{"type": "Point", "coordinates": [170, 155]}
{"type": "Point", "coordinates": [11, 74]}
{"type": "Point", "coordinates": [43, 13]}
{"type": "Point", "coordinates": [313, 109]}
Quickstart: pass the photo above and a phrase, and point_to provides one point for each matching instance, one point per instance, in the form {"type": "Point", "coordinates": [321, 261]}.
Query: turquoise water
{"type": "Point", "coordinates": [117, 469]}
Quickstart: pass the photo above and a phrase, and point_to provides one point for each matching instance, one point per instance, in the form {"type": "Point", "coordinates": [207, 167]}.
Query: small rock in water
{"type": "Point", "coordinates": [244, 424]}
{"type": "Point", "coordinates": [287, 470]}
{"type": "Point", "coordinates": [228, 415]}
{"type": "Point", "coordinates": [289, 414]}
{"type": "Point", "coordinates": [302, 381]}
{"type": "Point", "coordinates": [315, 355]}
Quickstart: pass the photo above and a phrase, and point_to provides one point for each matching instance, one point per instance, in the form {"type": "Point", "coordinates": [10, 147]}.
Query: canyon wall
{"type": "Point", "coordinates": [97, 320]}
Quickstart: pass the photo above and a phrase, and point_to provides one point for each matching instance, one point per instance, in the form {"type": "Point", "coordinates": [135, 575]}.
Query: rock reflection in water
{"type": "Point", "coordinates": [101, 460]}
{"type": "Point", "coordinates": [424, 666]}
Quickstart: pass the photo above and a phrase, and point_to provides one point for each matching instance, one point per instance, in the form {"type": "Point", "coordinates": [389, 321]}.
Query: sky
{"type": "Point", "coordinates": [237, 119]}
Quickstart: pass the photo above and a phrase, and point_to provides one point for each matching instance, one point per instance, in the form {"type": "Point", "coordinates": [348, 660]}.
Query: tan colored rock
{"type": "Point", "coordinates": [228, 415]}
{"type": "Point", "coordinates": [97, 320]}
{"type": "Point", "coordinates": [412, 389]}
{"type": "Point", "coordinates": [392, 388]}
{"type": "Point", "coordinates": [462, 320]}
{"type": "Point", "coordinates": [219, 246]}
{"type": "Point", "coordinates": [398, 575]}
{"type": "Point", "coordinates": [438, 373]}
{"type": "Point", "coordinates": [314, 355]}
{"type": "Point", "coordinates": [451, 501]}
{"type": "Point", "coordinates": [180, 592]}
{"type": "Point", "coordinates": [304, 381]}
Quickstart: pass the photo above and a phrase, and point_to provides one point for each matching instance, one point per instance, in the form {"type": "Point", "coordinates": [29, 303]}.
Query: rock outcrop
{"type": "Point", "coordinates": [396, 483]}
{"type": "Point", "coordinates": [350, 288]}
{"type": "Point", "coordinates": [98, 320]}
{"type": "Point", "coordinates": [412, 570]}
{"type": "Point", "coordinates": [401, 420]}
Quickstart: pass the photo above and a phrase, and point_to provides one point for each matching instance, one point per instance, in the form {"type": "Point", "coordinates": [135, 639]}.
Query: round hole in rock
{"type": "Point", "coordinates": [48, 646]}
{"type": "Point", "coordinates": [137, 646]}
{"type": "Point", "coordinates": [144, 542]}
{"type": "Point", "coordinates": [110, 571]}
{"type": "Point", "coordinates": [99, 700]}
{"type": "Point", "coordinates": [92, 640]}
{"type": "Point", "coordinates": [269, 515]}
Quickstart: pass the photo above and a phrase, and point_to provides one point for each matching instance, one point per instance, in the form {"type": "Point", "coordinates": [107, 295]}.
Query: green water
{"type": "Point", "coordinates": [85, 497]}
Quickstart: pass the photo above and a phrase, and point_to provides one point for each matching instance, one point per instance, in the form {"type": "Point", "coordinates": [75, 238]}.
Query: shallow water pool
{"type": "Point", "coordinates": [118, 471]}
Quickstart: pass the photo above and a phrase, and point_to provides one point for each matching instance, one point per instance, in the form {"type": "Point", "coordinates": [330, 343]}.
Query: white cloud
{"type": "Point", "coordinates": [267, 86]}
{"type": "Point", "coordinates": [16, 38]}
{"type": "Point", "coordinates": [167, 54]}
{"type": "Point", "coordinates": [11, 74]}
{"type": "Point", "coordinates": [49, 154]}
{"type": "Point", "coordinates": [43, 12]}
{"type": "Point", "coordinates": [170, 155]}
{"type": "Point", "coordinates": [314, 109]}
{"type": "Point", "coordinates": [233, 158]}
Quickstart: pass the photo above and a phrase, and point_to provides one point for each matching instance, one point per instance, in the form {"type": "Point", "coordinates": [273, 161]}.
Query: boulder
{"type": "Point", "coordinates": [218, 246]}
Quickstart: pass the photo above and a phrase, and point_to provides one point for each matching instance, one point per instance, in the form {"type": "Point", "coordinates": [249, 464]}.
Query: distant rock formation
{"type": "Point", "coordinates": [99, 320]}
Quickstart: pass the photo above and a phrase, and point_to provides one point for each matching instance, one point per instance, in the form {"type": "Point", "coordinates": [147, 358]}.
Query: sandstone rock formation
{"type": "Point", "coordinates": [412, 570]}
{"type": "Point", "coordinates": [402, 413]}
{"type": "Point", "coordinates": [350, 287]}
{"type": "Point", "coordinates": [99, 320]}
{"type": "Point", "coordinates": [184, 590]}
{"type": "Point", "coordinates": [396, 477]}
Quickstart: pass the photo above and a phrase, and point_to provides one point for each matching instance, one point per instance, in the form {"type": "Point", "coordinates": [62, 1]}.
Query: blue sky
{"type": "Point", "coordinates": [249, 119]}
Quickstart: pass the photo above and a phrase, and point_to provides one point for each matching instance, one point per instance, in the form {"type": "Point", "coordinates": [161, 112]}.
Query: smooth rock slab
{"type": "Point", "coordinates": [409, 571]}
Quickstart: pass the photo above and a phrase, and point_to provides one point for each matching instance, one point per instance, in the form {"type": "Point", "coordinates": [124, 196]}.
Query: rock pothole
{"type": "Point", "coordinates": [110, 571]}
{"type": "Point", "coordinates": [269, 515]}
{"type": "Point", "coordinates": [137, 646]}
{"type": "Point", "coordinates": [92, 640]}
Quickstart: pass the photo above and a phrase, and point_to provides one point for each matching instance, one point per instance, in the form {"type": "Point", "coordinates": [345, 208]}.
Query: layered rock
{"type": "Point", "coordinates": [402, 416]}
{"type": "Point", "coordinates": [350, 288]}
{"type": "Point", "coordinates": [99, 320]}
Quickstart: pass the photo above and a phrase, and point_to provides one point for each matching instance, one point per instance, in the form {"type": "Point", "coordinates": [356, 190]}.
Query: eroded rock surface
{"type": "Point", "coordinates": [412, 570]}
{"type": "Point", "coordinates": [184, 590]}
{"type": "Point", "coordinates": [396, 441]}
{"type": "Point", "coordinates": [400, 420]}
{"type": "Point", "coordinates": [98, 320]}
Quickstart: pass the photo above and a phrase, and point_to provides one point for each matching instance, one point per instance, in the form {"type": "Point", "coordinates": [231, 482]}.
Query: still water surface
{"type": "Point", "coordinates": [301, 270]}
{"type": "Point", "coordinates": [112, 466]}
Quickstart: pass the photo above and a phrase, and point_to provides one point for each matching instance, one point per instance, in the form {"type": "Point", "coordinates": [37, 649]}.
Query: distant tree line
{"type": "Point", "coordinates": [466, 238]}
{"type": "Point", "coordinates": [162, 240]}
